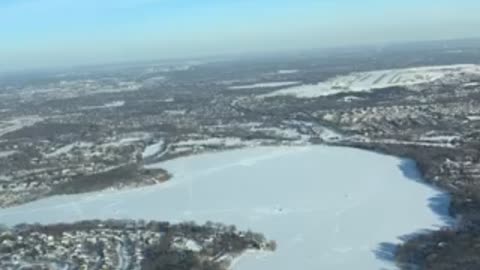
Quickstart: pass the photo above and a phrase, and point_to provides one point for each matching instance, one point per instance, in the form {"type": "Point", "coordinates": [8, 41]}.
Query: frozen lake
{"type": "Point", "coordinates": [327, 207]}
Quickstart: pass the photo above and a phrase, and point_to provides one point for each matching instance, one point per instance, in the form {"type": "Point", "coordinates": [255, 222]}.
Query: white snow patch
{"type": "Point", "coordinates": [129, 140]}
{"type": "Point", "coordinates": [262, 85]}
{"type": "Point", "coordinates": [471, 84]}
{"type": "Point", "coordinates": [335, 210]}
{"type": "Point", "coordinates": [113, 104]}
{"type": "Point", "coordinates": [473, 117]}
{"type": "Point", "coordinates": [192, 245]}
{"type": "Point", "coordinates": [186, 244]}
{"type": "Point", "coordinates": [211, 141]}
{"type": "Point", "coordinates": [133, 137]}
{"type": "Point", "coordinates": [14, 124]}
{"type": "Point", "coordinates": [153, 149]}
{"type": "Point", "coordinates": [115, 144]}
{"type": "Point", "coordinates": [329, 135]}
{"type": "Point", "coordinates": [367, 81]}
{"type": "Point", "coordinates": [4, 154]}
{"type": "Point", "coordinates": [67, 148]}
{"type": "Point", "coordinates": [5, 178]}
{"type": "Point", "coordinates": [176, 112]}
{"type": "Point", "coordinates": [287, 71]}
{"type": "Point", "coordinates": [439, 138]}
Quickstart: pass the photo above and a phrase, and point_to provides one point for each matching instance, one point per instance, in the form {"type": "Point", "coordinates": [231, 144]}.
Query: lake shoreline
{"type": "Point", "coordinates": [421, 250]}
{"type": "Point", "coordinates": [348, 197]}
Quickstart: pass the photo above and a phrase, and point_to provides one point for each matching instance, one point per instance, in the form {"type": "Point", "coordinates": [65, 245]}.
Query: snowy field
{"type": "Point", "coordinates": [287, 71]}
{"type": "Point", "coordinates": [327, 207]}
{"type": "Point", "coordinates": [113, 104]}
{"type": "Point", "coordinates": [367, 81]}
{"type": "Point", "coordinates": [11, 125]}
{"type": "Point", "coordinates": [262, 85]}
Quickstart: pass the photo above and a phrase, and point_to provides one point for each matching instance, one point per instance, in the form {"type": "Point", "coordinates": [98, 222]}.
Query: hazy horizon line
{"type": "Point", "coordinates": [228, 56]}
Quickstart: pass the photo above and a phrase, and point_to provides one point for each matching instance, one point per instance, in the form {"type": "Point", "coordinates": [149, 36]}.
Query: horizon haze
{"type": "Point", "coordinates": [55, 33]}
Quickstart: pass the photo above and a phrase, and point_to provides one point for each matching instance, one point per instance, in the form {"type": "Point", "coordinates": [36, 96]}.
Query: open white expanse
{"type": "Point", "coordinates": [327, 207]}
{"type": "Point", "coordinates": [262, 85]}
{"type": "Point", "coordinates": [367, 81]}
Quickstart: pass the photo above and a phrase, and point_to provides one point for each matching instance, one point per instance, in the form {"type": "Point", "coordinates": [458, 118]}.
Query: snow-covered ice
{"type": "Point", "coordinates": [262, 85]}
{"type": "Point", "coordinates": [327, 207]}
{"type": "Point", "coordinates": [367, 81]}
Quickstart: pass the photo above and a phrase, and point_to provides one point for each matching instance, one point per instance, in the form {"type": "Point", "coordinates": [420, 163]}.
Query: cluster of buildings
{"type": "Point", "coordinates": [98, 248]}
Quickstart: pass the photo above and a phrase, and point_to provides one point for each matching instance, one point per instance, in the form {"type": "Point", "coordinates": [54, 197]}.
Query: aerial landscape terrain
{"type": "Point", "coordinates": [366, 157]}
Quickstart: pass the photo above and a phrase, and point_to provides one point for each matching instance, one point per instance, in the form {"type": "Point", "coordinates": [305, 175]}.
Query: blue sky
{"type": "Point", "coordinates": [42, 33]}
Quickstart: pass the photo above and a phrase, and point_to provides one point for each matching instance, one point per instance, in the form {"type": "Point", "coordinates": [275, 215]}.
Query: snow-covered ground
{"type": "Point", "coordinates": [284, 133]}
{"type": "Point", "coordinates": [367, 81]}
{"type": "Point", "coordinates": [113, 104]}
{"type": "Point", "coordinates": [327, 207]}
{"type": "Point", "coordinates": [440, 138]}
{"type": "Point", "coordinates": [11, 125]}
{"type": "Point", "coordinates": [153, 149]}
{"type": "Point", "coordinates": [329, 135]}
{"type": "Point", "coordinates": [473, 117]}
{"type": "Point", "coordinates": [262, 85]}
{"type": "Point", "coordinates": [228, 142]}
{"type": "Point", "coordinates": [69, 147]}
{"type": "Point", "coordinates": [5, 178]}
{"type": "Point", "coordinates": [288, 134]}
{"type": "Point", "coordinates": [187, 244]}
{"type": "Point", "coordinates": [287, 71]}
{"type": "Point", "coordinates": [4, 154]}
{"type": "Point", "coordinates": [471, 84]}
